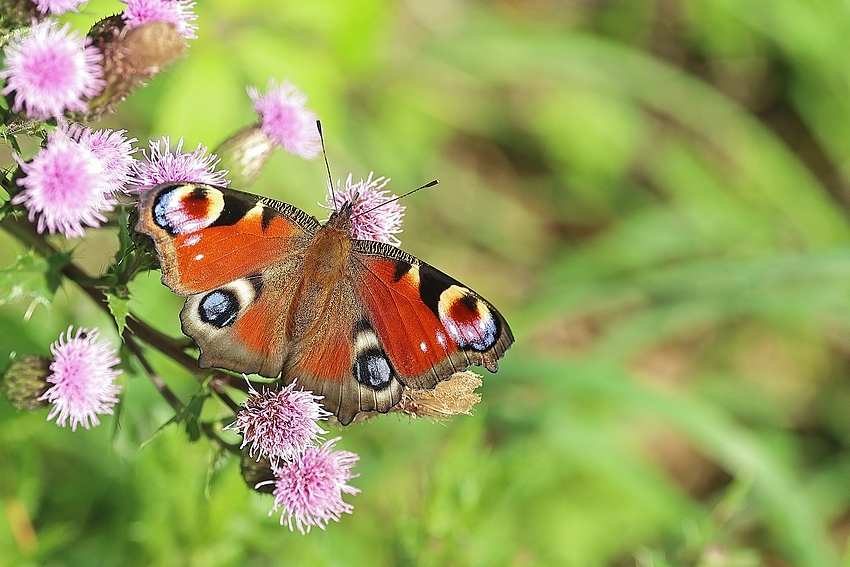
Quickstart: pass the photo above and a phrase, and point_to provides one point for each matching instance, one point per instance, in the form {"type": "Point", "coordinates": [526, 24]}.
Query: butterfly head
{"type": "Point", "coordinates": [341, 219]}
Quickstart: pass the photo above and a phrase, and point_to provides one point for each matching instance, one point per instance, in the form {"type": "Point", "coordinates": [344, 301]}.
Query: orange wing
{"type": "Point", "coordinates": [237, 258]}
{"type": "Point", "coordinates": [392, 321]}
{"type": "Point", "coordinates": [209, 236]}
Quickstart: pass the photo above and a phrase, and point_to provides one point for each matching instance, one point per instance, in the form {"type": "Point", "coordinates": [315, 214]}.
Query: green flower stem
{"type": "Point", "coordinates": [24, 231]}
{"type": "Point", "coordinates": [155, 378]}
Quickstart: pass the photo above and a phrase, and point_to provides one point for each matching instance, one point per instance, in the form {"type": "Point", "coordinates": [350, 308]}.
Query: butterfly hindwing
{"type": "Point", "coordinates": [343, 360]}
{"type": "Point", "coordinates": [239, 326]}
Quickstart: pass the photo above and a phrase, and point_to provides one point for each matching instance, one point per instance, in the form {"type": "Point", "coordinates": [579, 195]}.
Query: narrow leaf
{"type": "Point", "coordinates": [119, 308]}
{"type": "Point", "coordinates": [191, 413]}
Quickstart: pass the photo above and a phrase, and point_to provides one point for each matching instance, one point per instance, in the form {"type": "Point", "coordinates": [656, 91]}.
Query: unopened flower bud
{"type": "Point", "coordinates": [25, 382]}
{"type": "Point", "coordinates": [17, 13]}
{"type": "Point", "coordinates": [451, 397]}
{"type": "Point", "coordinates": [131, 56]}
{"type": "Point", "coordinates": [244, 154]}
{"type": "Point", "coordinates": [257, 474]}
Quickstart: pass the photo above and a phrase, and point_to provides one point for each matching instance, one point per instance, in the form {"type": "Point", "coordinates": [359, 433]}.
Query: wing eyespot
{"type": "Point", "coordinates": [222, 307]}
{"type": "Point", "coordinates": [371, 366]}
{"type": "Point", "coordinates": [468, 320]}
{"type": "Point", "coordinates": [183, 209]}
{"type": "Point", "coordinates": [219, 308]}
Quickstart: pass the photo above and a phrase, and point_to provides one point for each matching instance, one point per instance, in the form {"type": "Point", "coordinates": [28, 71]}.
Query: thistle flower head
{"type": "Point", "coordinates": [65, 186]}
{"type": "Point", "coordinates": [50, 70]}
{"type": "Point", "coordinates": [58, 7]}
{"type": "Point", "coordinates": [310, 488]}
{"type": "Point", "coordinates": [285, 119]}
{"type": "Point", "coordinates": [177, 12]}
{"type": "Point", "coordinates": [279, 424]}
{"type": "Point", "coordinates": [83, 379]}
{"type": "Point", "coordinates": [162, 165]}
{"type": "Point", "coordinates": [114, 151]}
{"type": "Point", "coordinates": [368, 222]}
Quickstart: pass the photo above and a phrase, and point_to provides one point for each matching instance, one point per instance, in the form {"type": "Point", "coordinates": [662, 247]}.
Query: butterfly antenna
{"type": "Point", "coordinates": [327, 165]}
{"type": "Point", "coordinates": [388, 201]}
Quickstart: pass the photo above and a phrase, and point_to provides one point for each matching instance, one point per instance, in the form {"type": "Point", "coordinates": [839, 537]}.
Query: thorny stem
{"type": "Point", "coordinates": [172, 398]}
{"type": "Point", "coordinates": [26, 232]}
{"type": "Point", "coordinates": [23, 230]}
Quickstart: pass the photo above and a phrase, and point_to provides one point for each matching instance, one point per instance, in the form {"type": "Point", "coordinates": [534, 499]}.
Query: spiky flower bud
{"type": "Point", "coordinates": [131, 56]}
{"type": "Point", "coordinates": [17, 13]}
{"type": "Point", "coordinates": [244, 154]}
{"type": "Point", "coordinates": [25, 382]}
{"type": "Point", "coordinates": [451, 397]}
{"type": "Point", "coordinates": [257, 473]}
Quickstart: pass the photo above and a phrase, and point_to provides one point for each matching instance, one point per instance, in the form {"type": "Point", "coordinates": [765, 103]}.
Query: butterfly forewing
{"type": "Point", "coordinates": [207, 237]}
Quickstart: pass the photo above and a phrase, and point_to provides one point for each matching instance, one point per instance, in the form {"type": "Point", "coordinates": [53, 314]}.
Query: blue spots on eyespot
{"type": "Point", "coordinates": [372, 368]}
{"type": "Point", "coordinates": [479, 335]}
{"type": "Point", "coordinates": [161, 207]}
{"type": "Point", "coordinates": [487, 331]}
{"type": "Point", "coordinates": [185, 208]}
{"type": "Point", "coordinates": [219, 308]}
{"type": "Point", "coordinates": [468, 320]}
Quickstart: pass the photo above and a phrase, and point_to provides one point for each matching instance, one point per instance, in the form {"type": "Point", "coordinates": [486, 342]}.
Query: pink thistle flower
{"type": "Point", "coordinates": [58, 7]}
{"type": "Point", "coordinates": [83, 379]}
{"type": "Point", "coordinates": [382, 223]}
{"type": "Point", "coordinates": [66, 186]}
{"type": "Point", "coordinates": [285, 120]}
{"type": "Point", "coordinates": [279, 424]}
{"type": "Point", "coordinates": [51, 70]}
{"type": "Point", "coordinates": [164, 166]}
{"type": "Point", "coordinates": [310, 488]}
{"type": "Point", "coordinates": [177, 12]}
{"type": "Point", "coordinates": [114, 151]}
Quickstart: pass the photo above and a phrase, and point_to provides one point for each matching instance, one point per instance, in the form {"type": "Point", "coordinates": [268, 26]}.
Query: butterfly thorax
{"type": "Point", "coordinates": [326, 262]}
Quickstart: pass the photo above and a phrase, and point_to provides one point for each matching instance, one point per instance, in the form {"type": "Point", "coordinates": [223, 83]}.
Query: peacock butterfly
{"type": "Point", "coordinates": [271, 290]}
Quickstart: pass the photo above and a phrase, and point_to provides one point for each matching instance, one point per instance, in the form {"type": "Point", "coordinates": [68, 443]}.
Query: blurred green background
{"type": "Point", "coordinates": [654, 193]}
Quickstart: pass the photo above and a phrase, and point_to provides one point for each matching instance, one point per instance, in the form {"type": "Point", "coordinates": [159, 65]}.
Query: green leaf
{"type": "Point", "coordinates": [124, 241]}
{"type": "Point", "coordinates": [33, 278]}
{"type": "Point", "coordinates": [191, 413]}
{"type": "Point", "coordinates": [132, 256]}
{"type": "Point", "coordinates": [119, 307]}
